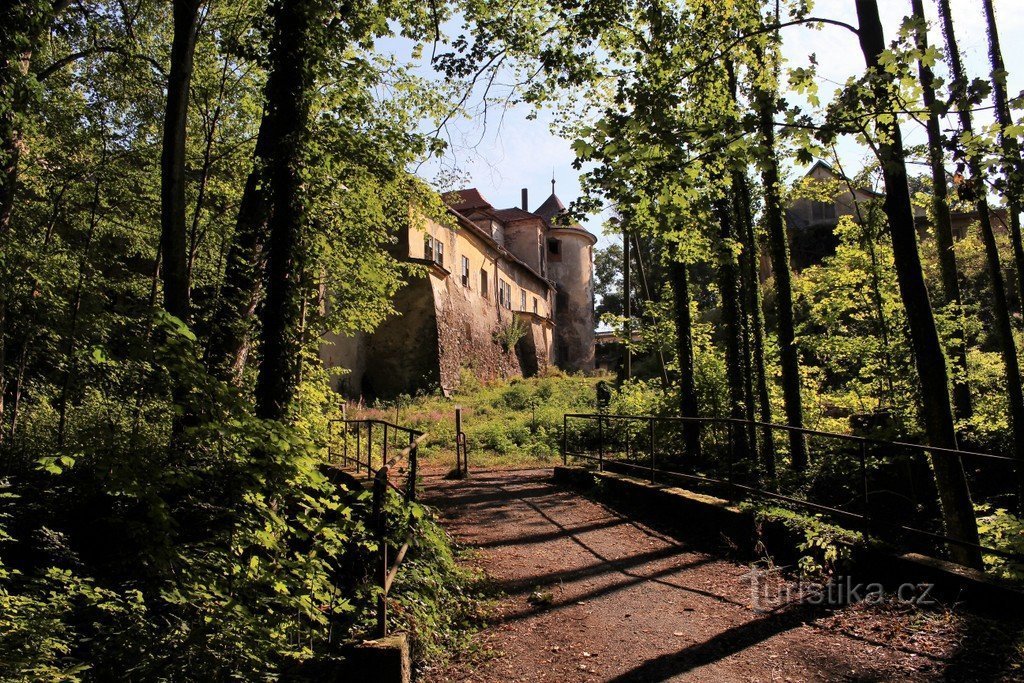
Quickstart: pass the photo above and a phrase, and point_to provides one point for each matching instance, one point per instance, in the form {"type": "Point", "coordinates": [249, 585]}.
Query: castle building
{"type": "Point", "coordinates": [811, 224]}
{"type": "Point", "coordinates": [503, 293]}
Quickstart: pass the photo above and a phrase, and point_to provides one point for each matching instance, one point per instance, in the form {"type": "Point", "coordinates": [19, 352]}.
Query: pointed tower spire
{"type": "Point", "coordinates": [552, 181]}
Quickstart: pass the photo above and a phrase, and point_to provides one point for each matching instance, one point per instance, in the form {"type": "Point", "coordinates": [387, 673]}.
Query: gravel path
{"type": "Point", "coordinates": [593, 596]}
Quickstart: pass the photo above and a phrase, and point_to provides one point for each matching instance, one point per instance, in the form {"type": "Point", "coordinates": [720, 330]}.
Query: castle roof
{"type": "Point", "coordinates": [552, 210]}
{"type": "Point", "coordinates": [471, 200]}
{"type": "Point", "coordinates": [514, 214]}
{"type": "Point", "coordinates": [467, 200]}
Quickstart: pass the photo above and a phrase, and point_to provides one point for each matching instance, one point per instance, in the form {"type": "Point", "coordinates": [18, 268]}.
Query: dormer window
{"type": "Point", "coordinates": [823, 211]}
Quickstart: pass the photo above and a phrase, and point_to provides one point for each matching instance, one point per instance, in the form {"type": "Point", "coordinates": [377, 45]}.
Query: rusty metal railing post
{"type": "Point", "coordinates": [384, 447]}
{"type": "Point", "coordinates": [369, 450]}
{"type": "Point", "coordinates": [565, 436]}
{"type": "Point", "coordinates": [864, 488]}
{"type": "Point", "coordinates": [380, 490]}
{"type": "Point", "coordinates": [359, 447]}
{"type": "Point", "coordinates": [460, 466]}
{"type": "Point", "coordinates": [330, 441]}
{"type": "Point", "coordinates": [411, 493]}
{"type": "Point", "coordinates": [650, 427]}
{"type": "Point", "coordinates": [730, 455]}
{"type": "Point", "coordinates": [600, 443]}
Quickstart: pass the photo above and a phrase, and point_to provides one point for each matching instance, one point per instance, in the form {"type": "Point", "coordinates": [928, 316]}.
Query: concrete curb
{"type": "Point", "coordinates": [711, 517]}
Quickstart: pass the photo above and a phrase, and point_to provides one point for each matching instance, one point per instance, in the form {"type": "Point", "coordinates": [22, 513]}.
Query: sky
{"type": "Point", "coordinates": [513, 151]}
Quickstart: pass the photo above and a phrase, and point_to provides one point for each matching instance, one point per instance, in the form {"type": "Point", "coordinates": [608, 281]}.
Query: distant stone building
{"type": "Point", "coordinates": [811, 224]}
{"type": "Point", "coordinates": [506, 292]}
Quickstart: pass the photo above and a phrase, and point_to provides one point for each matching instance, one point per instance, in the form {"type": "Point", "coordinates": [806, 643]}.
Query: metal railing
{"type": "Point", "coordinates": [363, 458]}
{"type": "Point", "coordinates": [884, 485]}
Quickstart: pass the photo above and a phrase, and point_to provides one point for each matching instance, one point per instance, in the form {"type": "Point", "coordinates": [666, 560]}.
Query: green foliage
{"type": "Point", "coordinates": [825, 547]}
{"type": "Point", "coordinates": [509, 334]}
{"type": "Point", "coordinates": [1002, 529]}
{"type": "Point", "coordinates": [517, 422]}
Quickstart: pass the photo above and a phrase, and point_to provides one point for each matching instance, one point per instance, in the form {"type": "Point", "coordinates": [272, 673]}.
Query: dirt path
{"type": "Point", "coordinates": [592, 596]}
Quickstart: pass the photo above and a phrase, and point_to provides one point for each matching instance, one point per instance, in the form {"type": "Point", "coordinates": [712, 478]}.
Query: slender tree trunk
{"type": "Point", "coordinates": [71, 341]}
{"type": "Point", "coordinates": [944, 227]}
{"type": "Point", "coordinates": [742, 220]}
{"type": "Point", "coordinates": [778, 249]}
{"type": "Point", "coordinates": [173, 234]}
{"type": "Point", "coordinates": [688, 406]}
{"type": "Point", "coordinates": [954, 495]}
{"type": "Point", "coordinates": [242, 289]}
{"type": "Point", "coordinates": [288, 92]}
{"type": "Point", "coordinates": [1000, 304]}
{"type": "Point", "coordinates": [749, 259]}
{"type": "Point", "coordinates": [23, 26]}
{"type": "Point", "coordinates": [645, 289]}
{"type": "Point", "coordinates": [728, 284]}
{"type": "Point", "coordinates": [1013, 164]}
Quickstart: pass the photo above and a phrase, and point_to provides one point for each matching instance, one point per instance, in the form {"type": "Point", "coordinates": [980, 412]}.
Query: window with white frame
{"type": "Point", "coordinates": [465, 272]}
{"type": "Point", "coordinates": [504, 294]}
{"type": "Point", "coordinates": [433, 250]}
{"type": "Point", "coordinates": [522, 300]}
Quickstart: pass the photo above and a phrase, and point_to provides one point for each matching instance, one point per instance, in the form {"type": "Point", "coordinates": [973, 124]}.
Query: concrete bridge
{"type": "Point", "coordinates": [593, 594]}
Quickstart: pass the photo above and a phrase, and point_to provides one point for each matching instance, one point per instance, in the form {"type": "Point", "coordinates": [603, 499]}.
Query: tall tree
{"type": "Point", "coordinates": [1013, 163]}
{"type": "Point", "coordinates": [173, 235]}
{"type": "Point", "coordinates": [731, 303]}
{"type": "Point", "coordinates": [943, 222]}
{"type": "Point", "coordinates": [765, 104]}
{"type": "Point", "coordinates": [242, 288]}
{"type": "Point", "coordinates": [24, 23]}
{"type": "Point", "coordinates": [289, 88]}
{"type": "Point", "coordinates": [954, 495]}
{"type": "Point", "coordinates": [688, 404]}
{"type": "Point", "coordinates": [1000, 304]}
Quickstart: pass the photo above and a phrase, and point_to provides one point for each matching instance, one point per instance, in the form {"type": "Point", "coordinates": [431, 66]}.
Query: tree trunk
{"type": "Point", "coordinates": [778, 249]}
{"type": "Point", "coordinates": [173, 235]}
{"type": "Point", "coordinates": [943, 227]}
{"type": "Point", "coordinates": [1000, 305]}
{"type": "Point", "coordinates": [241, 290]}
{"type": "Point", "coordinates": [728, 285]}
{"type": "Point", "coordinates": [954, 495]}
{"type": "Point", "coordinates": [755, 309]}
{"type": "Point", "coordinates": [22, 30]}
{"type": "Point", "coordinates": [1013, 164]}
{"type": "Point", "coordinates": [688, 406]}
{"type": "Point", "coordinates": [288, 91]}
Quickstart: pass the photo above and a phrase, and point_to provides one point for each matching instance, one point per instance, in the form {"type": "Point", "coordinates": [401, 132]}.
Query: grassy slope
{"type": "Point", "coordinates": [509, 424]}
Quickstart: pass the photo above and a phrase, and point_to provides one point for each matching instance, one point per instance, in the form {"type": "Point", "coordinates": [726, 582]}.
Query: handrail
{"type": "Point", "coordinates": [867, 520]}
{"type": "Point", "coordinates": [801, 430]}
{"type": "Point", "coordinates": [385, 571]}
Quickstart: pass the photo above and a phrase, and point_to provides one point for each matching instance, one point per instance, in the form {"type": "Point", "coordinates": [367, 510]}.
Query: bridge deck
{"type": "Point", "coordinates": [594, 596]}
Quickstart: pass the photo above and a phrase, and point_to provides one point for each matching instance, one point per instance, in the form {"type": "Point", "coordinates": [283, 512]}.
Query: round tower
{"type": "Point", "coordinates": [569, 263]}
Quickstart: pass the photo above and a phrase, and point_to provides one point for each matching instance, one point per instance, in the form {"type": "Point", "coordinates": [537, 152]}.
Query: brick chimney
{"type": "Point", "coordinates": [526, 199]}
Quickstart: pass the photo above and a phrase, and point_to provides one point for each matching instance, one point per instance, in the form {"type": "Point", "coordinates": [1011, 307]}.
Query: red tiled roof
{"type": "Point", "coordinates": [514, 214]}
{"type": "Point", "coordinates": [551, 209]}
{"type": "Point", "coordinates": [467, 200]}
